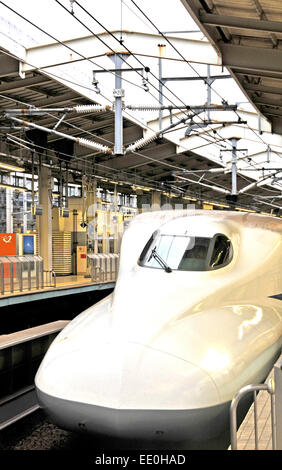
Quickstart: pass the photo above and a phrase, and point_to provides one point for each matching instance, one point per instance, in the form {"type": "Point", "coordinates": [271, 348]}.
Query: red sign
{"type": "Point", "coordinates": [8, 244]}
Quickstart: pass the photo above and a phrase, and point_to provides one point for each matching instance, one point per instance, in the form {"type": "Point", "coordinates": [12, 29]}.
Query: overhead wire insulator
{"type": "Point", "coordinates": [93, 145]}
{"type": "Point", "coordinates": [79, 140]}
{"type": "Point", "coordinates": [141, 143]}
{"type": "Point", "coordinates": [142, 107]}
{"type": "Point", "coordinates": [91, 108]}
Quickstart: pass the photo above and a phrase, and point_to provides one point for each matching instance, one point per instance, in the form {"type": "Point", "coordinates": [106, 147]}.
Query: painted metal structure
{"type": "Point", "coordinates": [164, 354]}
{"type": "Point", "coordinates": [60, 75]}
{"type": "Point", "coordinates": [247, 36]}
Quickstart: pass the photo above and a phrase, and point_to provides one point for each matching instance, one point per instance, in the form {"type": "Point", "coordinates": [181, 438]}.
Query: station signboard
{"type": "Point", "coordinates": [8, 244]}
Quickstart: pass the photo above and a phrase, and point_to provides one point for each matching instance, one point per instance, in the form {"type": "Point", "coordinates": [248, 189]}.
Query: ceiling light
{"type": "Point", "coordinates": [243, 210]}
{"type": "Point", "coordinates": [8, 167]}
{"type": "Point", "coordinates": [15, 188]}
{"type": "Point", "coordinates": [217, 204]}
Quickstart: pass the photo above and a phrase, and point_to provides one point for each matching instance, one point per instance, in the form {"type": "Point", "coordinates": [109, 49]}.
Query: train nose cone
{"type": "Point", "coordinates": [125, 390]}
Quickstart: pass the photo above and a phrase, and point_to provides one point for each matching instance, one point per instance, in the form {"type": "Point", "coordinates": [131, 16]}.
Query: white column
{"type": "Point", "coordinates": [45, 220]}
{"type": "Point", "coordinates": [156, 200]}
{"type": "Point", "coordinates": [9, 210]}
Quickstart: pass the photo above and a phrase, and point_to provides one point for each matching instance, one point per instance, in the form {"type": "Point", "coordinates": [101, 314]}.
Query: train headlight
{"type": "Point", "coordinates": [215, 360]}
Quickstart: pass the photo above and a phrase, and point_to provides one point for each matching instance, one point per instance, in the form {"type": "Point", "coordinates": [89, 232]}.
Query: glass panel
{"type": "Point", "coordinates": [146, 248]}
{"type": "Point", "coordinates": [179, 252]}
{"type": "Point", "coordinates": [186, 253]}
{"type": "Point", "coordinates": [195, 258]}
{"type": "Point", "coordinates": [221, 252]}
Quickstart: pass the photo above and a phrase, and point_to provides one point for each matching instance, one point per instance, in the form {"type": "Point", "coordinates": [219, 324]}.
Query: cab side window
{"type": "Point", "coordinates": [146, 248]}
{"type": "Point", "coordinates": [222, 252]}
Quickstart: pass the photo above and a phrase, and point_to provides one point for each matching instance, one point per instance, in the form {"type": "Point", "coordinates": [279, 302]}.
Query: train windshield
{"type": "Point", "coordinates": [175, 252]}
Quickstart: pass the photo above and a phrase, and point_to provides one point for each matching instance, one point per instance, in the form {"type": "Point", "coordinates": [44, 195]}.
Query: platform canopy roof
{"type": "Point", "coordinates": [247, 34]}
{"type": "Point", "coordinates": [60, 83]}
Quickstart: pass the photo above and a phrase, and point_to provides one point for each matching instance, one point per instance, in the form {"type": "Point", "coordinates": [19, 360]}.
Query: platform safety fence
{"type": "Point", "coordinates": [22, 273]}
{"type": "Point", "coordinates": [274, 389]}
{"type": "Point", "coordinates": [103, 267]}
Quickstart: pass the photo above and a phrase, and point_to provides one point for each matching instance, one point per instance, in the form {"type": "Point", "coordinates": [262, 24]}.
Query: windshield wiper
{"type": "Point", "coordinates": [159, 259]}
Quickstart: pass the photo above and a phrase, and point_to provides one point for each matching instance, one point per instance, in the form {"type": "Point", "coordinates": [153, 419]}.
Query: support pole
{"type": "Point", "coordinates": [24, 208]}
{"type": "Point", "coordinates": [9, 210]}
{"type": "Point", "coordinates": [234, 141]}
{"type": "Point", "coordinates": [45, 220]}
{"type": "Point", "coordinates": [118, 59]}
{"type": "Point", "coordinates": [67, 186]}
{"type": "Point", "coordinates": [160, 93]}
{"type": "Point", "coordinates": [162, 49]}
{"type": "Point", "coordinates": [118, 107]}
{"type": "Point", "coordinates": [156, 200]}
{"type": "Point", "coordinates": [115, 221]}
{"type": "Point", "coordinates": [32, 191]}
{"type": "Point", "coordinates": [209, 82]}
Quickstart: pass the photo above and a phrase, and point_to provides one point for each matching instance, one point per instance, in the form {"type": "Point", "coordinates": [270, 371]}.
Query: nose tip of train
{"type": "Point", "coordinates": [126, 394]}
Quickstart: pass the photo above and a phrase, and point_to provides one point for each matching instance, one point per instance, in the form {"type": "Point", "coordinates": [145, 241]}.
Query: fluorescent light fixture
{"type": "Point", "coordinates": [15, 188]}
{"type": "Point", "coordinates": [188, 198]}
{"type": "Point", "coordinates": [217, 204]}
{"type": "Point", "coordinates": [8, 166]}
{"type": "Point", "coordinates": [243, 210]}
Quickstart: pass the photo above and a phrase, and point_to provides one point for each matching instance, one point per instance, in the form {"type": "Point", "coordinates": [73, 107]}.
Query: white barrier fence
{"type": "Point", "coordinates": [103, 267]}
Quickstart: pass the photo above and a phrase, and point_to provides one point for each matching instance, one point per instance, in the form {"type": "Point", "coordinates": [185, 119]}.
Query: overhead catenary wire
{"type": "Point", "coordinates": [127, 50]}
{"type": "Point", "coordinates": [98, 22]}
{"type": "Point", "coordinates": [57, 40]}
{"type": "Point", "coordinates": [65, 79]}
{"type": "Point", "coordinates": [104, 28]}
{"type": "Point", "coordinates": [221, 189]}
{"type": "Point", "coordinates": [66, 45]}
{"type": "Point", "coordinates": [88, 165]}
{"type": "Point", "coordinates": [62, 43]}
{"type": "Point", "coordinates": [99, 164]}
{"type": "Point", "coordinates": [145, 157]}
{"type": "Point", "coordinates": [211, 136]}
{"type": "Point", "coordinates": [193, 68]}
{"type": "Point", "coordinates": [79, 140]}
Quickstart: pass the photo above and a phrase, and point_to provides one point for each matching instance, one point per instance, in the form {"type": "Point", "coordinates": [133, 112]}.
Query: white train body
{"type": "Point", "coordinates": [165, 353]}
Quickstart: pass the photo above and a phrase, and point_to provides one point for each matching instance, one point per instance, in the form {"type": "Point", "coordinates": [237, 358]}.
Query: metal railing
{"type": "Point", "coordinates": [49, 278]}
{"type": "Point", "coordinates": [19, 273]}
{"type": "Point", "coordinates": [274, 389]}
{"type": "Point", "coordinates": [278, 402]}
{"type": "Point", "coordinates": [269, 387]}
{"type": "Point", "coordinates": [103, 267]}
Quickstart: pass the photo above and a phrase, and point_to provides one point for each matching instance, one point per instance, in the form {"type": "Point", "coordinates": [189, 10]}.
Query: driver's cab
{"type": "Point", "coordinates": [174, 246]}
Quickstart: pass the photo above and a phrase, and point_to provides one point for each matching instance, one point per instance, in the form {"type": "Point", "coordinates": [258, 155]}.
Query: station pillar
{"type": "Point", "coordinates": [143, 203]}
{"type": "Point", "coordinates": [44, 221]}
{"type": "Point", "coordinates": [92, 209]}
{"type": "Point", "coordinates": [9, 210]}
{"type": "Point", "coordinates": [156, 201]}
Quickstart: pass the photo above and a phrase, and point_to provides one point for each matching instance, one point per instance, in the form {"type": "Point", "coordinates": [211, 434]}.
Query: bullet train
{"type": "Point", "coordinates": [195, 315]}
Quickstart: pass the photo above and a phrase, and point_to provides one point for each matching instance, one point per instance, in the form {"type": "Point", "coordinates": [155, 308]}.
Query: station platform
{"type": "Point", "coordinates": [65, 285]}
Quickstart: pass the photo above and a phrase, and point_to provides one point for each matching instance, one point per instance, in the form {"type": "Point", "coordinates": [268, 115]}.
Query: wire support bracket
{"type": "Point", "coordinates": [79, 140]}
